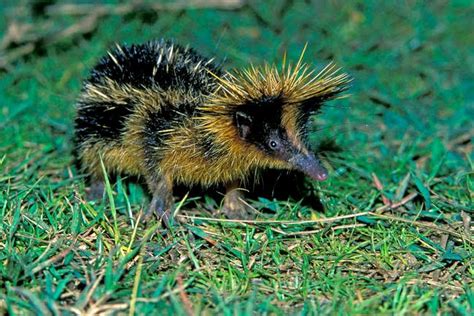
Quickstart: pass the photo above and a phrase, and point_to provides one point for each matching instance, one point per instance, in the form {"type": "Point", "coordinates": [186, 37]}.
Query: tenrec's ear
{"type": "Point", "coordinates": [243, 122]}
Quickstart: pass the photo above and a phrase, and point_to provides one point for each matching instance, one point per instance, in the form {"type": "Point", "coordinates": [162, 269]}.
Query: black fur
{"type": "Point", "coordinates": [138, 61]}
{"type": "Point", "coordinates": [207, 145]}
{"type": "Point", "coordinates": [134, 66]}
{"type": "Point", "coordinates": [258, 119]}
{"type": "Point", "coordinates": [260, 123]}
{"type": "Point", "coordinates": [103, 121]}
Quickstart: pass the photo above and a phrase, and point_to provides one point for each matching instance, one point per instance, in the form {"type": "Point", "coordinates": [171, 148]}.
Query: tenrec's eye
{"type": "Point", "coordinates": [273, 144]}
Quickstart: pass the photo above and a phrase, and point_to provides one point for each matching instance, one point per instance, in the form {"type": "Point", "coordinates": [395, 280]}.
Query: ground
{"type": "Point", "coordinates": [393, 235]}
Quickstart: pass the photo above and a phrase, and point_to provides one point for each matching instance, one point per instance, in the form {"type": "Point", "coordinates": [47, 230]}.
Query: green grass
{"type": "Point", "coordinates": [408, 122]}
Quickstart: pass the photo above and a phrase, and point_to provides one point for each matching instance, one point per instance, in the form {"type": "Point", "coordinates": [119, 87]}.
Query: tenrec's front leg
{"type": "Point", "coordinates": [234, 204]}
{"type": "Point", "coordinates": [162, 198]}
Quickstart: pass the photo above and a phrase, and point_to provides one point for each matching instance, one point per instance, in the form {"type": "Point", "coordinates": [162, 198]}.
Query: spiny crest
{"type": "Point", "coordinates": [291, 84]}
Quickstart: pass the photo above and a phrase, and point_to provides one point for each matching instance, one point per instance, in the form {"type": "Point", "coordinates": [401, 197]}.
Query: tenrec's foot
{"type": "Point", "coordinates": [95, 191]}
{"type": "Point", "coordinates": [161, 210]}
{"type": "Point", "coordinates": [236, 208]}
